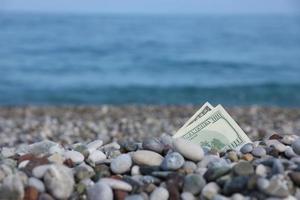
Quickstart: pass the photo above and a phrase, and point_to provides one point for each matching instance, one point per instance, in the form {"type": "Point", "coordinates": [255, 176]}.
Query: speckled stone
{"type": "Point", "coordinates": [172, 161]}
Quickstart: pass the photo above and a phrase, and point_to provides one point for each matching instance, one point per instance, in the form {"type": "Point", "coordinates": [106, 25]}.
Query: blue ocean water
{"type": "Point", "coordinates": [133, 59]}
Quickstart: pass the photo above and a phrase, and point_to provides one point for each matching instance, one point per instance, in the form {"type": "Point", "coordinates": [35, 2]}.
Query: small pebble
{"type": "Point", "coordinates": [36, 183]}
{"type": "Point", "coordinates": [296, 146]}
{"type": "Point", "coordinates": [12, 188]}
{"type": "Point", "coordinates": [172, 161]}
{"type": "Point", "coordinates": [75, 156]}
{"type": "Point", "coordinates": [94, 145]}
{"type": "Point", "coordinates": [187, 196]}
{"type": "Point", "coordinates": [96, 157]}
{"type": "Point", "coordinates": [153, 144]}
{"type": "Point", "coordinates": [121, 164]}
{"type": "Point", "coordinates": [117, 184]}
{"type": "Point", "coordinates": [59, 181]}
{"type": "Point", "coordinates": [259, 151]}
{"type": "Point", "coordinates": [7, 152]}
{"type": "Point", "coordinates": [100, 191]}
{"type": "Point", "coordinates": [134, 197]}
{"type": "Point", "coordinates": [39, 171]}
{"type": "Point", "coordinates": [210, 190]}
{"type": "Point", "coordinates": [243, 168]}
{"type": "Point", "coordinates": [261, 170]}
{"type": "Point", "coordinates": [276, 144]}
{"type": "Point", "coordinates": [193, 183]}
{"type": "Point", "coordinates": [189, 150]}
{"type": "Point", "coordinates": [145, 157]}
{"type": "Point", "coordinates": [159, 193]}
{"type": "Point", "coordinates": [247, 148]}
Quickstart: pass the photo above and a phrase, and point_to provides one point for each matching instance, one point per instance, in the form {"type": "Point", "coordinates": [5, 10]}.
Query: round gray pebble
{"type": "Point", "coordinates": [193, 183]}
{"type": "Point", "coordinates": [172, 161]}
{"type": "Point", "coordinates": [121, 164]}
{"type": "Point", "coordinates": [259, 151]}
{"type": "Point", "coordinates": [100, 191]}
{"type": "Point", "coordinates": [247, 148]}
{"type": "Point", "coordinates": [296, 146]}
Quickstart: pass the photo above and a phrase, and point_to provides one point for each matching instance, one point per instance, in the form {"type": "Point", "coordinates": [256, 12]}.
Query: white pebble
{"type": "Point", "coordinates": [121, 164]}
{"type": "Point", "coordinates": [39, 171]}
{"type": "Point", "coordinates": [36, 183]}
{"type": "Point", "coordinates": [149, 158]}
{"type": "Point", "coordinates": [100, 191]}
{"type": "Point", "coordinates": [92, 146]}
{"type": "Point", "coordinates": [116, 184]}
{"type": "Point", "coordinates": [23, 164]}
{"type": "Point", "coordinates": [159, 193]}
{"type": "Point", "coordinates": [8, 152]}
{"type": "Point", "coordinates": [96, 157]}
{"type": "Point", "coordinates": [189, 150]}
{"type": "Point", "coordinates": [75, 156]}
{"type": "Point", "coordinates": [135, 170]}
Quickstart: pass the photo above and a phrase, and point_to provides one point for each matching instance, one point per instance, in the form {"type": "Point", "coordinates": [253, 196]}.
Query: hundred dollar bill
{"type": "Point", "coordinates": [215, 130]}
{"type": "Point", "coordinates": [200, 113]}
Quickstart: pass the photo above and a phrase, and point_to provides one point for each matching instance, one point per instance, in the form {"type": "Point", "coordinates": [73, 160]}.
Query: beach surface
{"type": "Point", "coordinates": [67, 124]}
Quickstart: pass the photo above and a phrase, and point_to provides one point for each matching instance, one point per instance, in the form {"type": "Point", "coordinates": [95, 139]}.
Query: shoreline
{"type": "Point", "coordinates": [69, 124]}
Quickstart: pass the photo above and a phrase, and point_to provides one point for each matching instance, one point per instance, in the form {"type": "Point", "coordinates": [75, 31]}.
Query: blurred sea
{"type": "Point", "coordinates": [124, 59]}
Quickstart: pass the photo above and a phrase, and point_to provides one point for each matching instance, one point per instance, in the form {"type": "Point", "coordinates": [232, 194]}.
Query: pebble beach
{"type": "Point", "coordinates": [127, 152]}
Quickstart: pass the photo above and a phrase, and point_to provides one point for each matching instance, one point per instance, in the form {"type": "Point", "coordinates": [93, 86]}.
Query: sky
{"type": "Point", "coordinates": [154, 6]}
